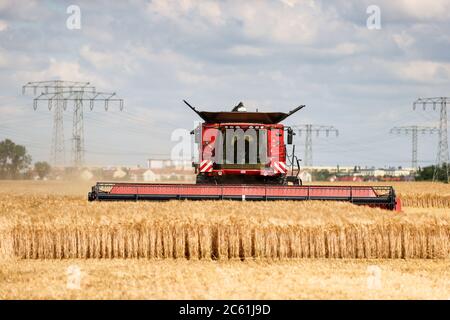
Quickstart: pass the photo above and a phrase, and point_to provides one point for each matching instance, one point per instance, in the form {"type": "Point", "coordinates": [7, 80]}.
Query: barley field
{"type": "Point", "coordinates": [47, 226]}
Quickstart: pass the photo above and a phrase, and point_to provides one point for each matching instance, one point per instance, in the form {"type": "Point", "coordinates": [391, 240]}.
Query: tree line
{"type": "Point", "coordinates": [15, 162]}
{"type": "Point", "coordinates": [427, 173]}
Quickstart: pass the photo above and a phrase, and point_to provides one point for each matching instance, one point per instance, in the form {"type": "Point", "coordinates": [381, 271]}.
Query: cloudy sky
{"type": "Point", "coordinates": [272, 55]}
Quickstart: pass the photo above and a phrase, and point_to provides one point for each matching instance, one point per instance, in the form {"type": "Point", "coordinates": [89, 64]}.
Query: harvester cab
{"type": "Point", "coordinates": [240, 147]}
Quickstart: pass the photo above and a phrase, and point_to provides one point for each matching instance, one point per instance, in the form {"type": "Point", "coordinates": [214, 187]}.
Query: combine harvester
{"type": "Point", "coordinates": [243, 156]}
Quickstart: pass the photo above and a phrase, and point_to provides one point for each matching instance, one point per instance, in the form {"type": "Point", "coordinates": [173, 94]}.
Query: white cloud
{"type": "Point", "coordinates": [287, 22]}
{"type": "Point", "coordinates": [422, 9]}
{"type": "Point", "coordinates": [246, 50]}
{"type": "Point", "coordinates": [9, 108]}
{"type": "Point", "coordinates": [6, 4]}
{"type": "Point", "coordinates": [3, 60]}
{"type": "Point", "coordinates": [169, 8]}
{"type": "Point", "coordinates": [166, 57]}
{"type": "Point", "coordinates": [421, 71]}
{"type": "Point", "coordinates": [193, 78]}
{"type": "Point", "coordinates": [99, 59]}
{"type": "Point", "coordinates": [143, 60]}
{"type": "Point", "coordinates": [403, 40]}
{"type": "Point", "coordinates": [208, 11]}
{"type": "Point", "coordinates": [63, 70]}
{"type": "Point", "coordinates": [98, 35]}
{"type": "Point", "coordinates": [3, 25]}
{"type": "Point", "coordinates": [30, 10]}
{"type": "Point", "coordinates": [14, 60]}
{"type": "Point", "coordinates": [289, 3]}
{"type": "Point", "coordinates": [275, 22]}
{"type": "Point", "coordinates": [345, 48]}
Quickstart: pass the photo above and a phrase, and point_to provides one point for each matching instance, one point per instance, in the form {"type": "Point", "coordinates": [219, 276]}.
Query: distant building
{"type": "Point", "coordinates": [398, 172]}
{"type": "Point", "coordinates": [372, 172]}
{"type": "Point", "coordinates": [119, 173]}
{"type": "Point", "coordinates": [136, 174]}
{"type": "Point", "coordinates": [155, 164]}
{"type": "Point", "coordinates": [331, 169]}
{"type": "Point", "coordinates": [168, 163]}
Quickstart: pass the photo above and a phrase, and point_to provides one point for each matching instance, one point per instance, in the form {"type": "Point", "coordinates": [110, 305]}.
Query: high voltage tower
{"type": "Point", "coordinates": [57, 156]}
{"type": "Point", "coordinates": [57, 94]}
{"type": "Point", "coordinates": [414, 131]}
{"type": "Point", "coordinates": [309, 129]}
{"type": "Point", "coordinates": [442, 155]}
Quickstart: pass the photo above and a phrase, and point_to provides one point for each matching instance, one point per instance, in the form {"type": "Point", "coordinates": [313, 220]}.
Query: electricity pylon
{"type": "Point", "coordinates": [309, 129]}
{"type": "Point", "coordinates": [78, 97]}
{"type": "Point", "coordinates": [414, 130]}
{"type": "Point", "coordinates": [56, 87]}
{"type": "Point", "coordinates": [442, 158]}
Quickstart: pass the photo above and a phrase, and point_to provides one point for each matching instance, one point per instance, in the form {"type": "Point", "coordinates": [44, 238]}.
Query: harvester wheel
{"type": "Point", "coordinates": [202, 179]}
{"type": "Point", "coordinates": [92, 196]}
{"type": "Point", "coordinates": [296, 181]}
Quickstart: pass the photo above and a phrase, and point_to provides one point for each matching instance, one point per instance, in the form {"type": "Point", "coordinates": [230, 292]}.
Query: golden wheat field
{"type": "Point", "coordinates": [415, 194]}
{"type": "Point", "coordinates": [187, 279]}
{"type": "Point", "coordinates": [274, 249]}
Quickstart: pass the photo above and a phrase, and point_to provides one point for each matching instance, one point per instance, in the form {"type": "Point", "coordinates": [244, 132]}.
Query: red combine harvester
{"type": "Point", "coordinates": [243, 156]}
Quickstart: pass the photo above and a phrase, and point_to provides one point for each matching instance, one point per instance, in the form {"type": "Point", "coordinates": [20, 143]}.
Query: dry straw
{"type": "Point", "coordinates": [157, 239]}
{"type": "Point", "coordinates": [425, 200]}
{"type": "Point", "coordinates": [62, 228]}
